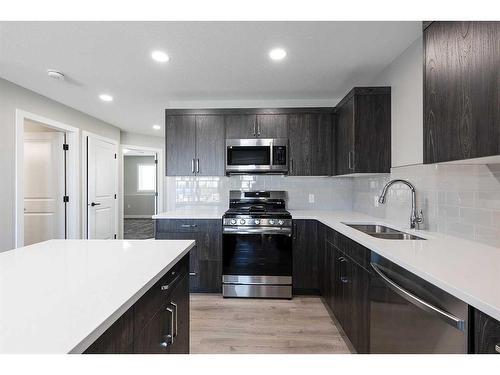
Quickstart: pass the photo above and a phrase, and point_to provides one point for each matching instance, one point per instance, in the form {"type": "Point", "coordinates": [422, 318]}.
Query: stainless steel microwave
{"type": "Point", "coordinates": [257, 155]}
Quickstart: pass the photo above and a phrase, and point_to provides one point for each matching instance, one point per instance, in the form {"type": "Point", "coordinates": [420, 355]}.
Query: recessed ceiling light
{"type": "Point", "coordinates": [106, 97]}
{"type": "Point", "coordinates": [160, 56]}
{"type": "Point", "coordinates": [156, 127]}
{"type": "Point", "coordinates": [277, 54]}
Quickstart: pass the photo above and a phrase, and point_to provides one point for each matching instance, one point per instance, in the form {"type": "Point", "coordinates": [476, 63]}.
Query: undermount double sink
{"type": "Point", "coordinates": [383, 232]}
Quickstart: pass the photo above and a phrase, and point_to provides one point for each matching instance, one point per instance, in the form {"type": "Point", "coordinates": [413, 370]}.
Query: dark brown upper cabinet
{"type": "Point", "coordinates": [194, 145]}
{"type": "Point", "coordinates": [311, 144]}
{"type": "Point", "coordinates": [461, 90]}
{"type": "Point", "coordinates": [363, 131]}
{"type": "Point", "coordinates": [256, 126]}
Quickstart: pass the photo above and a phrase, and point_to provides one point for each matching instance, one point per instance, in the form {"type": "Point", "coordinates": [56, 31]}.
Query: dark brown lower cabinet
{"type": "Point", "coordinates": [158, 323]}
{"type": "Point", "coordinates": [205, 267]}
{"type": "Point", "coordinates": [345, 285]}
{"type": "Point", "coordinates": [305, 257]}
{"type": "Point", "coordinates": [486, 334]}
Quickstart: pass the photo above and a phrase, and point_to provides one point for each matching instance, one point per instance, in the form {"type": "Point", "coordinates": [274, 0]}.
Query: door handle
{"type": "Point", "coordinates": [93, 204]}
{"type": "Point", "coordinates": [420, 303]}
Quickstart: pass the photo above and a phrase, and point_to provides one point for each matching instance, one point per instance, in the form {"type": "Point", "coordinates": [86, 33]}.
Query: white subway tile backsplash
{"type": "Point", "coordinates": [329, 193]}
{"type": "Point", "coordinates": [460, 200]}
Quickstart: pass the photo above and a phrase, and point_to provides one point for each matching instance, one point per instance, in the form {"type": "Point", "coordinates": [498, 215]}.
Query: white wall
{"type": "Point", "coordinates": [405, 76]}
{"type": "Point", "coordinates": [14, 97]}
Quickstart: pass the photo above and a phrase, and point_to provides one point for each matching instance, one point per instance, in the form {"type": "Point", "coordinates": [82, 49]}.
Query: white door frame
{"type": "Point", "coordinates": [114, 142]}
{"type": "Point", "coordinates": [159, 179]}
{"type": "Point", "coordinates": [72, 173]}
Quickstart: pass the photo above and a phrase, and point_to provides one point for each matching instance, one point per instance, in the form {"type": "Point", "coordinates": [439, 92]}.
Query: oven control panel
{"type": "Point", "coordinates": [257, 222]}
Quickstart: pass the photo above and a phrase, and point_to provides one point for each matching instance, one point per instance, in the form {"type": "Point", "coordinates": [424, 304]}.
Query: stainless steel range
{"type": "Point", "coordinates": [257, 246]}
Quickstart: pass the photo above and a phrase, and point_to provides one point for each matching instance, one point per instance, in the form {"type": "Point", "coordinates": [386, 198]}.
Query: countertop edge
{"type": "Point", "coordinates": [99, 330]}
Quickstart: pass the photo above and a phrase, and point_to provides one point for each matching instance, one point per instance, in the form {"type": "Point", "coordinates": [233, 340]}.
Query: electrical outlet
{"type": "Point", "coordinates": [311, 198]}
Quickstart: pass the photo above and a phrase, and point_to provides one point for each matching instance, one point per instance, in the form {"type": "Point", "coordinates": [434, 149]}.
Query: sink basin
{"type": "Point", "coordinates": [383, 232]}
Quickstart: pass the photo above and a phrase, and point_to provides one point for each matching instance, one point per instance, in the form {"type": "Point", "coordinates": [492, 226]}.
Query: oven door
{"type": "Point", "coordinates": [248, 155]}
{"type": "Point", "coordinates": [252, 257]}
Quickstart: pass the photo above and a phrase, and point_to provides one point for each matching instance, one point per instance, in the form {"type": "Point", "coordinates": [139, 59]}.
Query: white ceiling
{"type": "Point", "coordinates": [212, 63]}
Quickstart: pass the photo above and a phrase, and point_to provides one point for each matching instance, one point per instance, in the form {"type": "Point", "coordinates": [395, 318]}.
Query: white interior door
{"type": "Point", "coordinates": [44, 174]}
{"type": "Point", "coordinates": [101, 189]}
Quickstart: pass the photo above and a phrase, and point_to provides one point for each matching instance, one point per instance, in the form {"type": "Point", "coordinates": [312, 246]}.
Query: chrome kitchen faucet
{"type": "Point", "coordinates": [415, 218]}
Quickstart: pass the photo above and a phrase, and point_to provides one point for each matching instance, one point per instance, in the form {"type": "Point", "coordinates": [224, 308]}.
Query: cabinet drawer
{"type": "Point", "coordinates": [353, 250]}
{"type": "Point", "coordinates": [177, 225]}
{"type": "Point", "coordinates": [155, 299]}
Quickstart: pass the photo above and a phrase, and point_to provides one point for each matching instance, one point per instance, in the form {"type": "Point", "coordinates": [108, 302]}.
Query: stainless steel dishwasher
{"type": "Point", "coordinates": [410, 315]}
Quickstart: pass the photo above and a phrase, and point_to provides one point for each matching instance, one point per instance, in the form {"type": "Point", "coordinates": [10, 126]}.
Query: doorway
{"type": "Point", "coordinates": [141, 196]}
{"type": "Point", "coordinates": [45, 212]}
{"type": "Point", "coordinates": [46, 180]}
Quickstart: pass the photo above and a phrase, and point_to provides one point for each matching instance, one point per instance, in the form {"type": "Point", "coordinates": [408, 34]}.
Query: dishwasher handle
{"type": "Point", "coordinates": [420, 303]}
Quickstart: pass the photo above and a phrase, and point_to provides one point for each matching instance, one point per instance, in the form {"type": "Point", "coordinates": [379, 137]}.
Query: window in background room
{"type": "Point", "coordinates": [146, 177]}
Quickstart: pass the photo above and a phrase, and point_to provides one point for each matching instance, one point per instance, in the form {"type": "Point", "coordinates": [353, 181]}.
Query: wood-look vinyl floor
{"type": "Point", "coordinates": [250, 326]}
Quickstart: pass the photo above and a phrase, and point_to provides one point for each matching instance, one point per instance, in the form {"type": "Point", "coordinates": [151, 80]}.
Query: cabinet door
{"type": "Point", "coordinates": [209, 257]}
{"type": "Point", "coordinates": [358, 306]}
{"type": "Point", "coordinates": [344, 138]}
{"type": "Point", "coordinates": [240, 126]}
{"type": "Point", "coordinates": [486, 334]}
{"type": "Point", "coordinates": [180, 143]}
{"type": "Point", "coordinates": [206, 257]}
{"type": "Point", "coordinates": [117, 339]}
{"type": "Point", "coordinates": [311, 144]}
{"type": "Point", "coordinates": [461, 90]}
{"type": "Point", "coordinates": [210, 145]}
{"type": "Point", "coordinates": [179, 301]}
{"type": "Point", "coordinates": [152, 338]}
{"type": "Point", "coordinates": [272, 126]}
{"type": "Point", "coordinates": [305, 257]}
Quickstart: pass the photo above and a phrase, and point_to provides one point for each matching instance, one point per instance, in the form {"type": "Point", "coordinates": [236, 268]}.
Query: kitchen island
{"type": "Point", "coordinates": [67, 296]}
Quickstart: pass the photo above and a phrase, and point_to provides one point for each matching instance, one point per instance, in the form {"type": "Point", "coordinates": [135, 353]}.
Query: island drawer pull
{"type": "Point", "coordinates": [168, 339]}
{"type": "Point", "coordinates": [192, 273]}
{"type": "Point", "coordinates": [188, 225]}
{"type": "Point", "coordinates": [176, 315]}
{"type": "Point", "coordinates": [171, 284]}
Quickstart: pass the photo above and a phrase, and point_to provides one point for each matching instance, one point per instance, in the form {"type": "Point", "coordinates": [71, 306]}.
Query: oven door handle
{"type": "Point", "coordinates": [246, 230]}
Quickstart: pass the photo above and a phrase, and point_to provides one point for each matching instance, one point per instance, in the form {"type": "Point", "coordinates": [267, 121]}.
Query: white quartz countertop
{"type": "Point", "coordinates": [59, 296]}
{"type": "Point", "coordinates": [468, 270]}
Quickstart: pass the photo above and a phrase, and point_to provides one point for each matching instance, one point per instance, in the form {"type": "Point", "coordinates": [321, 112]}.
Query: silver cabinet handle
{"type": "Point", "coordinates": [351, 159]}
{"type": "Point", "coordinates": [168, 339]}
{"type": "Point", "coordinates": [258, 126]}
{"type": "Point", "coordinates": [192, 165]}
{"type": "Point", "coordinates": [420, 303]}
{"type": "Point", "coordinates": [197, 165]}
{"type": "Point", "coordinates": [176, 316]}
{"type": "Point", "coordinates": [171, 284]}
{"type": "Point", "coordinates": [497, 347]}
{"type": "Point", "coordinates": [255, 127]}
{"type": "Point", "coordinates": [291, 165]}
{"type": "Point", "coordinates": [192, 273]}
{"type": "Point", "coordinates": [343, 278]}
{"type": "Point", "coordinates": [188, 225]}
